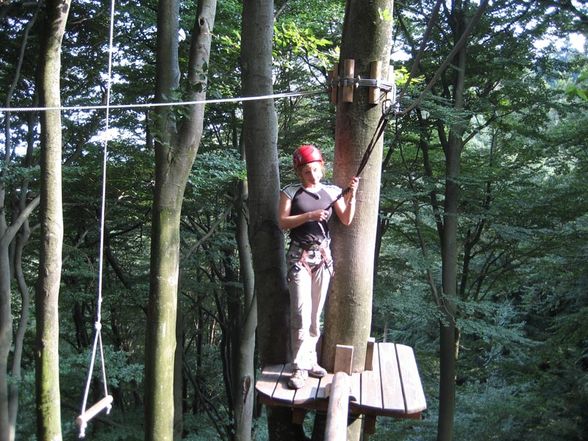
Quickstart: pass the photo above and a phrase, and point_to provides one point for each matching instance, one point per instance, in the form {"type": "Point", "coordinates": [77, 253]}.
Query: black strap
{"type": "Point", "coordinates": [380, 128]}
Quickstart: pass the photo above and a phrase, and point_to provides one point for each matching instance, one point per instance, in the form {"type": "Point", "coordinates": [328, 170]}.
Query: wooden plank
{"type": "Point", "coordinates": [270, 375]}
{"type": "Point", "coordinates": [324, 387]}
{"type": "Point", "coordinates": [333, 79]}
{"type": "Point", "coordinates": [369, 354]}
{"type": "Point", "coordinates": [343, 359]}
{"type": "Point", "coordinates": [371, 392]}
{"type": "Point", "coordinates": [282, 392]}
{"type": "Point", "coordinates": [355, 388]}
{"type": "Point", "coordinates": [375, 73]}
{"type": "Point", "coordinates": [371, 387]}
{"type": "Point", "coordinates": [411, 382]}
{"type": "Point", "coordinates": [82, 420]}
{"type": "Point", "coordinates": [392, 395]}
{"type": "Point", "coordinates": [308, 392]}
{"type": "Point", "coordinates": [348, 74]}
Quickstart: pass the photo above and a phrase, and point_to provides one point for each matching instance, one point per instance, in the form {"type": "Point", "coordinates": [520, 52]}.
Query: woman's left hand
{"type": "Point", "coordinates": [353, 185]}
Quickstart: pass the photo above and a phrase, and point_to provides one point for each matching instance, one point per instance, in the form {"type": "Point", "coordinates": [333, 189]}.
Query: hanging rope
{"type": "Point", "coordinates": [106, 402]}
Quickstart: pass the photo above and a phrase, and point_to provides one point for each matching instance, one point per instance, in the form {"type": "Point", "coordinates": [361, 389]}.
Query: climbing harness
{"type": "Point", "coordinates": [308, 252]}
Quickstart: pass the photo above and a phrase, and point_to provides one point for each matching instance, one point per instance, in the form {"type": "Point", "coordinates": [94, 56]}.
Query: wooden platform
{"type": "Point", "coordinates": [392, 388]}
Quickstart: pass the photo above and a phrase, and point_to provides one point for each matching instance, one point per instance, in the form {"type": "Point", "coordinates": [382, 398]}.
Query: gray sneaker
{"type": "Point", "coordinates": [317, 371]}
{"type": "Point", "coordinates": [298, 378]}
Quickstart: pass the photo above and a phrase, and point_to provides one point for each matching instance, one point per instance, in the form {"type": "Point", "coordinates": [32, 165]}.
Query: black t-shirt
{"type": "Point", "coordinates": [304, 201]}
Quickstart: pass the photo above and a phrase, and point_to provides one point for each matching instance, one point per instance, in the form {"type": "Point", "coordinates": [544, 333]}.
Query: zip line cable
{"type": "Point", "coordinates": [106, 402]}
{"type": "Point", "coordinates": [167, 104]}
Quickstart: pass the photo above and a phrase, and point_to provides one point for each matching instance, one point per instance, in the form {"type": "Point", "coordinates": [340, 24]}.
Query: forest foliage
{"type": "Point", "coordinates": [522, 299]}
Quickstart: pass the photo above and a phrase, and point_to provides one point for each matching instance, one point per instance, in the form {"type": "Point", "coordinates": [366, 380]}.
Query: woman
{"type": "Point", "coordinates": [305, 209]}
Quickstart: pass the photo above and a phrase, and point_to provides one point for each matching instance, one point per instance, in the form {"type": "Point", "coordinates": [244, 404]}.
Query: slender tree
{"type": "Point", "coordinates": [15, 236]}
{"type": "Point", "coordinates": [267, 242]}
{"type": "Point", "coordinates": [244, 338]}
{"type": "Point", "coordinates": [47, 296]}
{"type": "Point", "coordinates": [178, 133]}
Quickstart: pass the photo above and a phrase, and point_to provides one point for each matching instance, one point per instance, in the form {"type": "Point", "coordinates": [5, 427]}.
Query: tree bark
{"type": "Point", "coordinates": [20, 242]}
{"type": "Point", "coordinates": [175, 151]}
{"type": "Point", "coordinates": [9, 391]}
{"type": "Point", "coordinates": [48, 401]}
{"type": "Point", "coordinates": [265, 236]}
{"type": "Point", "coordinates": [244, 370]}
{"type": "Point", "coordinates": [366, 38]}
{"type": "Point", "coordinates": [449, 334]}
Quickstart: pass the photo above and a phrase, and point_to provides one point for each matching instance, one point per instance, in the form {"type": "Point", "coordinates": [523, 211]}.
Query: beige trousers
{"type": "Point", "coordinates": [309, 276]}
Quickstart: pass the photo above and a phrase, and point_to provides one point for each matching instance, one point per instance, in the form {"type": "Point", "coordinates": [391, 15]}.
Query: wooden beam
{"type": "Point", "coordinates": [369, 354]}
{"type": "Point", "coordinates": [338, 410]}
{"type": "Point", "coordinates": [348, 72]}
{"type": "Point", "coordinates": [343, 359]}
{"type": "Point", "coordinates": [298, 415]}
{"type": "Point", "coordinates": [375, 73]}
{"type": "Point", "coordinates": [369, 425]}
{"type": "Point", "coordinates": [334, 83]}
{"type": "Point", "coordinates": [82, 420]}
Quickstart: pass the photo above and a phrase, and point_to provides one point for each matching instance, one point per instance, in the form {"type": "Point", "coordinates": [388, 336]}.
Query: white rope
{"type": "Point", "coordinates": [98, 324]}
{"type": "Point", "coordinates": [171, 104]}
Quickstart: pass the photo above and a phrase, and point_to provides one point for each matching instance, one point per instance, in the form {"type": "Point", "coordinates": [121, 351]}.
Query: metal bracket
{"type": "Point", "coordinates": [347, 83]}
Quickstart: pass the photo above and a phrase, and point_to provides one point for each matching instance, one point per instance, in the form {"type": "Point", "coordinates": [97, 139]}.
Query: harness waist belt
{"type": "Point", "coordinates": [310, 246]}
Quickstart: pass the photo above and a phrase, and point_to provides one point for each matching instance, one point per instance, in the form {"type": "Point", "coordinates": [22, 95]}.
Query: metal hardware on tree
{"type": "Point", "coordinates": [347, 82]}
{"type": "Point", "coordinates": [386, 86]}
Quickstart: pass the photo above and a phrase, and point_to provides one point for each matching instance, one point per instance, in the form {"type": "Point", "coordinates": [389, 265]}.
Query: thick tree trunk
{"type": "Point", "coordinates": [366, 38]}
{"type": "Point", "coordinates": [266, 238]}
{"type": "Point", "coordinates": [47, 295]}
{"type": "Point", "coordinates": [175, 151]}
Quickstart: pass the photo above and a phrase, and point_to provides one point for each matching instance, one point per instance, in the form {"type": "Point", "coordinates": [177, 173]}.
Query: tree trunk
{"type": "Point", "coordinates": [448, 338]}
{"type": "Point", "coordinates": [179, 377]}
{"type": "Point", "coordinates": [47, 295]}
{"type": "Point", "coordinates": [244, 370]}
{"type": "Point", "coordinates": [20, 242]}
{"type": "Point", "coordinates": [366, 38]}
{"type": "Point", "coordinates": [266, 238]}
{"type": "Point", "coordinates": [9, 390]}
{"type": "Point", "coordinates": [175, 151]}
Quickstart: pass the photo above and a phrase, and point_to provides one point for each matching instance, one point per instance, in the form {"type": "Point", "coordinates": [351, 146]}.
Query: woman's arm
{"type": "Point", "coordinates": [287, 222]}
{"type": "Point", "coordinates": [345, 206]}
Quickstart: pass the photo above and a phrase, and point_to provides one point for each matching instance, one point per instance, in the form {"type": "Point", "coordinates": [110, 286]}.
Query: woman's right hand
{"type": "Point", "coordinates": [317, 215]}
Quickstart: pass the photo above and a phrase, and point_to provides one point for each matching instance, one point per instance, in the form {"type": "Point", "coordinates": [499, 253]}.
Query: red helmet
{"type": "Point", "coordinates": [306, 153]}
